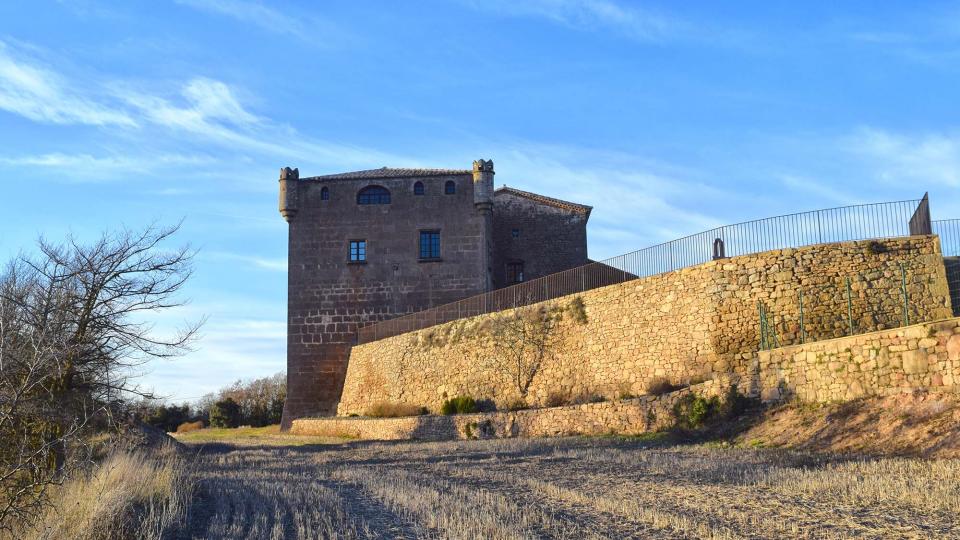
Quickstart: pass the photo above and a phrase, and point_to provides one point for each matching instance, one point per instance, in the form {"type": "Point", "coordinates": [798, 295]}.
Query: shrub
{"type": "Point", "coordinates": [187, 427]}
{"type": "Point", "coordinates": [385, 409]}
{"type": "Point", "coordinates": [459, 405]}
{"type": "Point", "coordinates": [557, 399]}
{"type": "Point", "coordinates": [577, 310]}
{"type": "Point", "coordinates": [587, 397]}
{"type": "Point", "coordinates": [661, 386]}
{"type": "Point", "coordinates": [692, 411]}
{"type": "Point", "coordinates": [517, 405]}
{"type": "Point", "coordinates": [734, 404]}
{"type": "Point", "coordinates": [225, 414]}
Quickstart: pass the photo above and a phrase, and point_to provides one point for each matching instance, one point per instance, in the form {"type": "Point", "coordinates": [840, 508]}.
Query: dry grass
{"type": "Point", "coordinates": [386, 409]}
{"type": "Point", "coordinates": [261, 436]}
{"type": "Point", "coordinates": [661, 386]}
{"type": "Point", "coordinates": [128, 495]}
{"type": "Point", "coordinates": [187, 427]}
{"type": "Point", "coordinates": [569, 488]}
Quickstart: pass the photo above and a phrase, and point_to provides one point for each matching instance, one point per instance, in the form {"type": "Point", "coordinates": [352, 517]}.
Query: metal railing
{"type": "Point", "coordinates": [949, 232]}
{"type": "Point", "coordinates": [827, 307]}
{"type": "Point", "coordinates": [859, 222]}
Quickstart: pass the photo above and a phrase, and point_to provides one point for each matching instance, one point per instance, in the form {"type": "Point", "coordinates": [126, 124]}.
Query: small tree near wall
{"type": "Point", "coordinates": [523, 341]}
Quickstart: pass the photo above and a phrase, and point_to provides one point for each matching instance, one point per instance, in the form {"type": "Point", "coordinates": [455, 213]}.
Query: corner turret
{"type": "Point", "coordinates": [483, 185]}
{"type": "Point", "coordinates": [288, 192]}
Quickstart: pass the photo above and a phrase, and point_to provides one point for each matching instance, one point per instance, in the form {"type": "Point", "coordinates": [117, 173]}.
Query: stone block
{"type": "Point", "coordinates": [953, 348]}
{"type": "Point", "coordinates": [914, 362]}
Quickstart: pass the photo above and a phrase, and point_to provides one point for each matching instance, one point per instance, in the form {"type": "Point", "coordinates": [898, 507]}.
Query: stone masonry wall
{"type": "Point", "coordinates": [629, 417]}
{"type": "Point", "coordinates": [879, 363]}
{"type": "Point", "coordinates": [682, 325]}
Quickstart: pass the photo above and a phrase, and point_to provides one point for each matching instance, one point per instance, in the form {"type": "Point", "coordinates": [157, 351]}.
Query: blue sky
{"type": "Point", "coordinates": [667, 118]}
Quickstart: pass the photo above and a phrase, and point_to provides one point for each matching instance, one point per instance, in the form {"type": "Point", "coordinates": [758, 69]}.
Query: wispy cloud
{"type": "Point", "coordinates": [620, 187]}
{"type": "Point", "coordinates": [627, 19]}
{"type": "Point", "coordinates": [804, 184]}
{"type": "Point", "coordinates": [303, 26]}
{"type": "Point", "coordinates": [263, 263]}
{"type": "Point", "coordinates": [87, 165]}
{"type": "Point", "coordinates": [899, 158]}
{"type": "Point", "coordinates": [204, 109]}
{"type": "Point", "coordinates": [230, 349]}
{"type": "Point", "coordinates": [32, 91]}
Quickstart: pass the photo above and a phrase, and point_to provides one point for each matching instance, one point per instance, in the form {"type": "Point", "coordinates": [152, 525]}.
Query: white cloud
{"type": "Point", "coordinates": [302, 26]}
{"type": "Point", "coordinates": [813, 187]}
{"type": "Point", "coordinates": [229, 350]}
{"type": "Point", "coordinates": [206, 109]}
{"type": "Point", "coordinates": [263, 263]}
{"type": "Point", "coordinates": [619, 187]}
{"type": "Point", "coordinates": [896, 158]}
{"type": "Point", "coordinates": [42, 96]}
{"type": "Point", "coordinates": [630, 20]}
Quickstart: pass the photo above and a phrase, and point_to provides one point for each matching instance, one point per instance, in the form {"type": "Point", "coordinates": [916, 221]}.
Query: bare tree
{"type": "Point", "coordinates": [74, 328]}
{"type": "Point", "coordinates": [522, 341]}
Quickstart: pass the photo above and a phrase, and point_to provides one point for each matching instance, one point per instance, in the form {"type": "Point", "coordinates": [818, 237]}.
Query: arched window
{"type": "Point", "coordinates": [324, 193]}
{"type": "Point", "coordinates": [373, 195]}
{"type": "Point", "coordinates": [418, 188]}
{"type": "Point", "coordinates": [450, 187]}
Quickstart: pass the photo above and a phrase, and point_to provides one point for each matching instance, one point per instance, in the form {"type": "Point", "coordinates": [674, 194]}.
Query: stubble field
{"type": "Point", "coordinates": [565, 488]}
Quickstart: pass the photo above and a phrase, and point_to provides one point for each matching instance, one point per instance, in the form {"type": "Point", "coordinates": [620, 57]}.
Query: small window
{"type": "Point", "coordinates": [450, 187]}
{"type": "Point", "coordinates": [373, 195]}
{"type": "Point", "coordinates": [515, 272]}
{"type": "Point", "coordinates": [515, 233]}
{"type": "Point", "coordinates": [418, 188]}
{"type": "Point", "coordinates": [358, 251]}
{"type": "Point", "coordinates": [325, 194]}
{"type": "Point", "coordinates": [429, 244]}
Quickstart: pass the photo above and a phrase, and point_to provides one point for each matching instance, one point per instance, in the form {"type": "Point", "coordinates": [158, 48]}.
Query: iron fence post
{"type": "Point", "coordinates": [849, 308]}
{"type": "Point", "coordinates": [906, 299]}
{"type": "Point", "coordinates": [803, 332]}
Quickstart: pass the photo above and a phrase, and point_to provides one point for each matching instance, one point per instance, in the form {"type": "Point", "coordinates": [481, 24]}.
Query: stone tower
{"type": "Point", "coordinates": [370, 245]}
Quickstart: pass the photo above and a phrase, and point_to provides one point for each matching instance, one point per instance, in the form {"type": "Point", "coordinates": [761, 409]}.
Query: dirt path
{"type": "Point", "coordinates": [566, 488]}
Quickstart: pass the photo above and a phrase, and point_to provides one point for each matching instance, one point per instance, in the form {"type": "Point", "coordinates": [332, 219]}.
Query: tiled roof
{"type": "Point", "coordinates": [388, 172]}
{"type": "Point", "coordinates": [565, 205]}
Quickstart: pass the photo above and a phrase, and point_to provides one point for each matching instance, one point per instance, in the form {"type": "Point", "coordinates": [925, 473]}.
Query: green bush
{"type": "Point", "coordinates": [225, 414]}
{"type": "Point", "coordinates": [693, 411]}
{"type": "Point", "coordinates": [459, 405]}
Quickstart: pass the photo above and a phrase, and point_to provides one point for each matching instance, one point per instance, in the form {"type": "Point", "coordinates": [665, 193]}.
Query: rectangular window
{"type": "Point", "coordinates": [515, 272]}
{"type": "Point", "coordinates": [515, 233]}
{"type": "Point", "coordinates": [429, 244]}
{"type": "Point", "coordinates": [358, 250]}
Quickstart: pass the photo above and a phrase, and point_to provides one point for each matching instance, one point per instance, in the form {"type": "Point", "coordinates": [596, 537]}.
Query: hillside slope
{"type": "Point", "coordinates": [912, 424]}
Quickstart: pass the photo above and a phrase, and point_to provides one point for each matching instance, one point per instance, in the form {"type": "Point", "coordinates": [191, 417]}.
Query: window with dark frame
{"type": "Point", "coordinates": [429, 245]}
{"type": "Point", "coordinates": [450, 187]}
{"type": "Point", "coordinates": [358, 251]}
{"type": "Point", "coordinates": [373, 195]}
{"type": "Point", "coordinates": [515, 272]}
{"type": "Point", "coordinates": [418, 188]}
{"type": "Point", "coordinates": [515, 233]}
{"type": "Point", "coordinates": [324, 193]}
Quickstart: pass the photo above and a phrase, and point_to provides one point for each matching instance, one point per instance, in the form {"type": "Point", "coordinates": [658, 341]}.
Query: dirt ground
{"type": "Point", "coordinates": [566, 488]}
{"type": "Point", "coordinates": [916, 424]}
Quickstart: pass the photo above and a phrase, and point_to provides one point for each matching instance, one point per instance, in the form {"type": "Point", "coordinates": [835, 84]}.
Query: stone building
{"type": "Point", "coordinates": [371, 245]}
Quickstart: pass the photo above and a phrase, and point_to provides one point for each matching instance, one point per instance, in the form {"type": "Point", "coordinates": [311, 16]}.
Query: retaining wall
{"type": "Point", "coordinates": [629, 416]}
{"type": "Point", "coordinates": [882, 363]}
{"type": "Point", "coordinates": [682, 325]}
